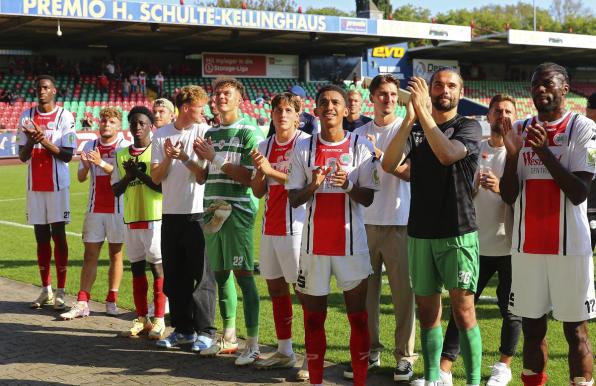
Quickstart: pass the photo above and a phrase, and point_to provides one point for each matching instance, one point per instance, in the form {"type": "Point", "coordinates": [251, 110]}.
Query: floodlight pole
{"type": "Point", "coordinates": [534, 6]}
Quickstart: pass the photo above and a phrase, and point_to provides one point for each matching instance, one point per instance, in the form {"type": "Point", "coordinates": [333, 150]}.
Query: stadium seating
{"type": "Point", "coordinates": [482, 91]}
{"type": "Point", "coordinates": [583, 88]}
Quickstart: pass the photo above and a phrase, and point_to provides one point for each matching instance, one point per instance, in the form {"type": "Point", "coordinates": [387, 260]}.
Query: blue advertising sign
{"type": "Point", "coordinates": [167, 12]}
{"type": "Point", "coordinates": [8, 144]}
{"type": "Point", "coordinates": [391, 59]}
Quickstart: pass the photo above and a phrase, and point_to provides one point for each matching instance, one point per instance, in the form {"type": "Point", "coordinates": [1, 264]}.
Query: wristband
{"type": "Point", "coordinates": [102, 164]}
{"type": "Point", "coordinates": [219, 161]}
{"type": "Point", "coordinates": [203, 163]}
{"type": "Point", "coordinates": [349, 188]}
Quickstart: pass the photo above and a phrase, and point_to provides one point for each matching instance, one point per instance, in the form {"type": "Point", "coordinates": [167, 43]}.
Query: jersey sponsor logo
{"type": "Point", "coordinates": [532, 159]}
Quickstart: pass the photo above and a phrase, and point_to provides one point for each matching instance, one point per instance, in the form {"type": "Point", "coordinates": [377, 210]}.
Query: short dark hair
{"type": "Point", "coordinates": [141, 110]}
{"type": "Point", "coordinates": [447, 69]}
{"type": "Point", "coordinates": [380, 79]}
{"type": "Point", "coordinates": [228, 81]}
{"type": "Point", "coordinates": [332, 87]}
{"type": "Point", "coordinates": [592, 101]}
{"type": "Point", "coordinates": [552, 67]}
{"type": "Point", "coordinates": [501, 98]}
{"type": "Point", "coordinates": [39, 78]}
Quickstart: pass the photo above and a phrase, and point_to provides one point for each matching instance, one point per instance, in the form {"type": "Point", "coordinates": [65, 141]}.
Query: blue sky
{"type": "Point", "coordinates": [435, 6]}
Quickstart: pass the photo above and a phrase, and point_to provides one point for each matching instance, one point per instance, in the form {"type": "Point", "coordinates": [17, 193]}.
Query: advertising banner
{"type": "Point", "coordinates": [249, 65]}
{"type": "Point", "coordinates": [390, 59]}
{"type": "Point", "coordinates": [426, 67]}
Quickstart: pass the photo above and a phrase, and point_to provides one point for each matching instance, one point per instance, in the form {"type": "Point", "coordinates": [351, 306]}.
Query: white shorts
{"type": "Point", "coordinates": [99, 226]}
{"type": "Point", "coordinates": [48, 207]}
{"type": "Point", "coordinates": [561, 284]}
{"type": "Point", "coordinates": [316, 270]}
{"type": "Point", "coordinates": [279, 256]}
{"type": "Point", "coordinates": [144, 244]}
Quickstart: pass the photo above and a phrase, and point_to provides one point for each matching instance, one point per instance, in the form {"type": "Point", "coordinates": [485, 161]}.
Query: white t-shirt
{"type": "Point", "coordinates": [46, 172]}
{"type": "Point", "coordinates": [392, 202]}
{"type": "Point", "coordinates": [181, 193]}
{"type": "Point", "coordinates": [493, 216]}
{"type": "Point", "coordinates": [279, 218]}
{"type": "Point", "coordinates": [335, 223]}
{"type": "Point", "coordinates": [101, 197]}
{"type": "Point", "coordinates": [545, 221]}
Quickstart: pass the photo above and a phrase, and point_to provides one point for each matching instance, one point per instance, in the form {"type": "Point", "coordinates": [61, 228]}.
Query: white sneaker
{"type": "Point", "coordinates": [45, 298]}
{"type": "Point", "coordinates": [500, 375]}
{"type": "Point", "coordinates": [59, 303]}
{"type": "Point", "coordinates": [249, 355]}
{"type": "Point", "coordinates": [446, 378]}
{"type": "Point", "coordinates": [422, 382]}
{"type": "Point", "coordinates": [112, 309]}
{"type": "Point", "coordinates": [78, 310]}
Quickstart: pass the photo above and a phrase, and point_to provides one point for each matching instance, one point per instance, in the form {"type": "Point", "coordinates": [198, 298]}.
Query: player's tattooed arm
{"type": "Point", "coordinates": [298, 197]}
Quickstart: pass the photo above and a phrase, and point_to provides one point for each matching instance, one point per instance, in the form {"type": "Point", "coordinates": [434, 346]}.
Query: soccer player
{"type": "Point", "coordinates": [104, 214]}
{"type": "Point", "coordinates": [308, 123]}
{"type": "Point", "coordinates": [333, 172]}
{"type": "Point", "coordinates": [189, 282]}
{"type": "Point", "coordinates": [164, 112]}
{"type": "Point", "coordinates": [591, 113]}
{"type": "Point", "coordinates": [228, 149]}
{"type": "Point", "coordinates": [442, 237]}
{"type": "Point", "coordinates": [354, 119]}
{"type": "Point", "coordinates": [46, 142]}
{"type": "Point", "coordinates": [142, 216]}
{"type": "Point", "coordinates": [548, 170]}
{"type": "Point", "coordinates": [282, 225]}
{"type": "Point", "coordinates": [495, 220]}
{"type": "Point", "coordinates": [385, 221]}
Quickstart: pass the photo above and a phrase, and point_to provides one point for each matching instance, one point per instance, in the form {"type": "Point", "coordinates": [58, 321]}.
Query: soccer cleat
{"type": "Point", "coordinates": [500, 375]}
{"type": "Point", "coordinates": [158, 331]}
{"type": "Point", "coordinates": [176, 339]}
{"type": "Point", "coordinates": [221, 211]}
{"type": "Point", "coordinates": [78, 310]}
{"type": "Point", "coordinates": [222, 346]}
{"type": "Point", "coordinates": [59, 303]}
{"type": "Point", "coordinates": [303, 375]}
{"type": "Point", "coordinates": [202, 343]}
{"type": "Point", "coordinates": [403, 371]}
{"type": "Point", "coordinates": [581, 381]}
{"type": "Point", "coordinates": [422, 382]}
{"type": "Point", "coordinates": [249, 355]}
{"type": "Point", "coordinates": [141, 325]}
{"type": "Point", "coordinates": [112, 309]}
{"type": "Point", "coordinates": [45, 298]}
{"type": "Point", "coordinates": [446, 378]}
{"type": "Point", "coordinates": [372, 363]}
{"type": "Point", "coordinates": [276, 361]}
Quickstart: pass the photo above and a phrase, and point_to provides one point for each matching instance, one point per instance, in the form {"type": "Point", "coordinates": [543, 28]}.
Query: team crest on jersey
{"type": "Point", "coordinates": [345, 159]}
{"type": "Point", "coordinates": [51, 126]}
{"type": "Point", "coordinates": [221, 144]}
{"type": "Point", "coordinates": [559, 139]}
{"type": "Point", "coordinates": [375, 177]}
{"type": "Point", "coordinates": [449, 132]}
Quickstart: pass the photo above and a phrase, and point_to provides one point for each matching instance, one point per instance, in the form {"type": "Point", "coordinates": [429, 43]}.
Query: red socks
{"type": "Point", "coordinates": [159, 298]}
{"type": "Point", "coordinates": [534, 379]}
{"type": "Point", "coordinates": [112, 296]}
{"type": "Point", "coordinates": [44, 256]}
{"type": "Point", "coordinates": [139, 293]}
{"type": "Point", "coordinates": [282, 316]}
{"type": "Point", "coordinates": [315, 343]}
{"type": "Point", "coordinates": [359, 346]}
{"type": "Point", "coordinates": [60, 259]}
{"type": "Point", "coordinates": [83, 296]}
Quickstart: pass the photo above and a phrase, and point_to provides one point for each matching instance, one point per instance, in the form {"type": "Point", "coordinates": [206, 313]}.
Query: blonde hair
{"type": "Point", "coordinates": [110, 112]}
{"type": "Point", "coordinates": [191, 94]}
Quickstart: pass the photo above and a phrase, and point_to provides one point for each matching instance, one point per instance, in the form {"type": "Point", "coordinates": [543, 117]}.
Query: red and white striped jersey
{"type": "Point", "coordinates": [545, 221]}
{"type": "Point", "coordinates": [101, 197]}
{"type": "Point", "coordinates": [334, 222]}
{"type": "Point", "coordinates": [46, 172]}
{"type": "Point", "coordinates": [279, 218]}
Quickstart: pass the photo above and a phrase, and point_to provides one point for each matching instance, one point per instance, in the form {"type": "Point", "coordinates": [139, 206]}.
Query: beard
{"type": "Point", "coordinates": [552, 105]}
{"type": "Point", "coordinates": [440, 105]}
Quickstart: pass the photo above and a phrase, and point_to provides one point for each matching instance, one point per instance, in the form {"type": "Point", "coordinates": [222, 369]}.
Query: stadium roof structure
{"type": "Point", "coordinates": [515, 47]}
{"type": "Point", "coordinates": [179, 26]}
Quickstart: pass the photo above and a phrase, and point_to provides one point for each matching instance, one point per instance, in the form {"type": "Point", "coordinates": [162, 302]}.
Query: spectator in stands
{"type": "Point", "coordinates": [103, 83]}
{"type": "Point", "coordinates": [159, 81]}
{"type": "Point", "coordinates": [87, 122]}
{"type": "Point", "coordinates": [110, 69]}
{"type": "Point", "coordinates": [143, 82]}
{"type": "Point", "coordinates": [134, 82]}
{"type": "Point", "coordinates": [308, 123]}
{"type": "Point", "coordinates": [125, 88]}
{"type": "Point", "coordinates": [354, 119]}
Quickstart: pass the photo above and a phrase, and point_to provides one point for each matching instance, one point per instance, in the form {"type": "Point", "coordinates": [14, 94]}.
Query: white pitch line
{"type": "Point", "coordinates": [24, 198]}
{"type": "Point", "coordinates": [16, 224]}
